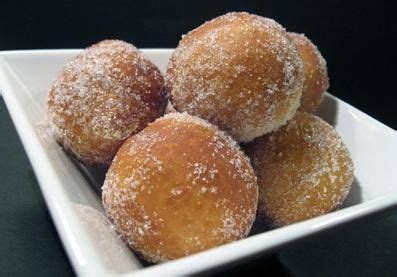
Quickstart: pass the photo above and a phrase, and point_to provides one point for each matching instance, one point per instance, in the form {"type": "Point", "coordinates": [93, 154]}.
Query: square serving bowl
{"type": "Point", "coordinates": [72, 191]}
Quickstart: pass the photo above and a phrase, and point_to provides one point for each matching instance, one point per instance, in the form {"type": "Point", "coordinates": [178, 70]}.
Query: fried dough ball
{"type": "Point", "coordinates": [178, 187]}
{"type": "Point", "coordinates": [304, 170]}
{"type": "Point", "coordinates": [316, 77]}
{"type": "Point", "coordinates": [239, 71]}
{"type": "Point", "coordinates": [106, 94]}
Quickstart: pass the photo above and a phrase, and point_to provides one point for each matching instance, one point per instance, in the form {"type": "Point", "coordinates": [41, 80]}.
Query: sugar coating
{"type": "Point", "coordinates": [316, 80]}
{"type": "Point", "coordinates": [101, 97]}
{"type": "Point", "coordinates": [240, 72]}
{"type": "Point", "coordinates": [304, 170]}
{"type": "Point", "coordinates": [179, 187]}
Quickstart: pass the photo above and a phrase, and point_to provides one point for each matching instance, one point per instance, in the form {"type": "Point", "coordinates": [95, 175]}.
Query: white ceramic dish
{"type": "Point", "coordinates": [72, 192]}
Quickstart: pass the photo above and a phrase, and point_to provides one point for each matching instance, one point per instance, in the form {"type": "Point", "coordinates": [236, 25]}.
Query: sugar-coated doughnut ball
{"type": "Point", "coordinates": [316, 76]}
{"type": "Point", "coordinates": [178, 187]}
{"type": "Point", "coordinates": [107, 93]}
{"type": "Point", "coordinates": [304, 170]}
{"type": "Point", "coordinates": [239, 71]}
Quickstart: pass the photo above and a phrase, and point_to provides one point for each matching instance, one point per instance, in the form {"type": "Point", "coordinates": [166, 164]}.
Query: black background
{"type": "Point", "coordinates": [357, 38]}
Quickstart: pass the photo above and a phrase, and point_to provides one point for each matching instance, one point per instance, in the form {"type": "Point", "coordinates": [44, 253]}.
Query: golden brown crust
{"type": "Point", "coordinates": [239, 71]}
{"type": "Point", "coordinates": [316, 76]}
{"type": "Point", "coordinates": [107, 93]}
{"type": "Point", "coordinates": [304, 170]}
{"type": "Point", "coordinates": [178, 187]}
